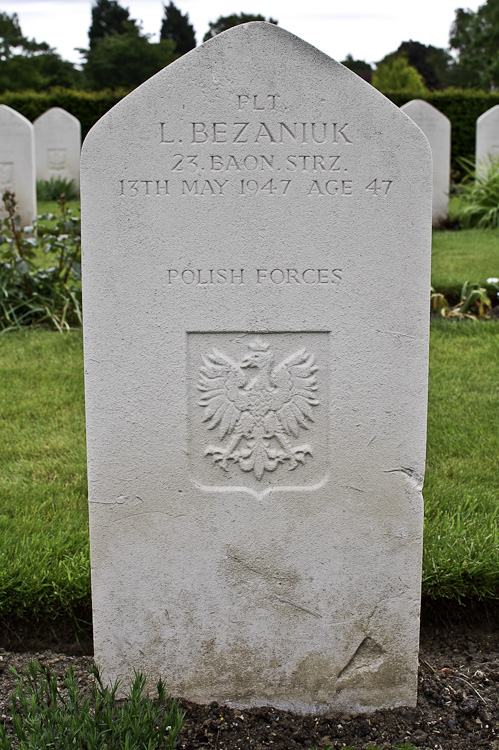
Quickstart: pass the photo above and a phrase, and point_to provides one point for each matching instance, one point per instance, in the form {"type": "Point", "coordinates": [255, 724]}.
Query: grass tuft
{"type": "Point", "coordinates": [48, 713]}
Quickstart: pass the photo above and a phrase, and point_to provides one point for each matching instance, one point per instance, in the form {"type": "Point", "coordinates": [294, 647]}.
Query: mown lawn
{"type": "Point", "coordinates": [44, 558]}
{"type": "Point", "coordinates": [468, 255]}
{"type": "Point", "coordinates": [462, 476]}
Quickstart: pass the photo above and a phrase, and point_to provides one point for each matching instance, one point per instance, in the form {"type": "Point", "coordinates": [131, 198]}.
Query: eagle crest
{"type": "Point", "coordinates": [258, 407]}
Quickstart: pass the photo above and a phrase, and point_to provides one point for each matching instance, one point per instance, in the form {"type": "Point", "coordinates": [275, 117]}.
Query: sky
{"type": "Point", "coordinates": [366, 29]}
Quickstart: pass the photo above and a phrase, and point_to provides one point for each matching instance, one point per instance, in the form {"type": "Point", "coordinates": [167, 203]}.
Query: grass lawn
{"type": "Point", "coordinates": [467, 255]}
{"type": "Point", "coordinates": [44, 559]}
{"type": "Point", "coordinates": [44, 563]}
{"type": "Point", "coordinates": [462, 477]}
{"type": "Point", "coordinates": [44, 207]}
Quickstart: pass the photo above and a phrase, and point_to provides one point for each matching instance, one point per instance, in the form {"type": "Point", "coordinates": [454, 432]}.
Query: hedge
{"type": "Point", "coordinates": [462, 107]}
{"type": "Point", "coordinates": [87, 106]}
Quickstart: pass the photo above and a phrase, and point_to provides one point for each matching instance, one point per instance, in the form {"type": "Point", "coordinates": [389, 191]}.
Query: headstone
{"type": "Point", "coordinates": [17, 162]}
{"type": "Point", "coordinates": [256, 223]}
{"type": "Point", "coordinates": [487, 138]}
{"type": "Point", "coordinates": [437, 128]}
{"type": "Point", "coordinates": [58, 141]}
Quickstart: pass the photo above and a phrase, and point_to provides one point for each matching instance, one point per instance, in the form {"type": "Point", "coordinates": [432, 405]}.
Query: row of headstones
{"type": "Point", "coordinates": [51, 148]}
{"type": "Point", "coordinates": [437, 128]}
{"type": "Point", "coordinates": [48, 148]}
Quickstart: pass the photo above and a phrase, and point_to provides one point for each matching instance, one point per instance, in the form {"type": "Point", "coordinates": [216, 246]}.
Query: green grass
{"type": "Point", "coordinates": [462, 477]}
{"type": "Point", "coordinates": [51, 713]}
{"type": "Point", "coordinates": [52, 207]}
{"type": "Point", "coordinates": [467, 255]}
{"type": "Point", "coordinates": [44, 557]}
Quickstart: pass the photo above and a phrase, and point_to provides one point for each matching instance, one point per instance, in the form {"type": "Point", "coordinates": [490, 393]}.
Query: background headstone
{"type": "Point", "coordinates": [17, 162]}
{"type": "Point", "coordinates": [257, 228]}
{"type": "Point", "coordinates": [437, 128]}
{"type": "Point", "coordinates": [487, 137]}
{"type": "Point", "coordinates": [57, 146]}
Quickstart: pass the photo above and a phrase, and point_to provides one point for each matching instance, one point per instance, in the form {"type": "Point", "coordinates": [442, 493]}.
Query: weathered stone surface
{"type": "Point", "coordinates": [437, 128]}
{"type": "Point", "coordinates": [487, 137]}
{"type": "Point", "coordinates": [256, 225]}
{"type": "Point", "coordinates": [57, 142]}
{"type": "Point", "coordinates": [17, 162]}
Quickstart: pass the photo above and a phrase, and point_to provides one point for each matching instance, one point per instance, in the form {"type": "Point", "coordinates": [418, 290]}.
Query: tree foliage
{"type": "Point", "coordinates": [176, 27]}
{"type": "Point", "coordinates": [361, 67]}
{"type": "Point", "coordinates": [126, 60]}
{"type": "Point", "coordinates": [120, 55]}
{"type": "Point", "coordinates": [110, 18]}
{"type": "Point", "coordinates": [27, 64]}
{"type": "Point", "coordinates": [12, 40]}
{"type": "Point", "coordinates": [22, 73]}
{"type": "Point", "coordinates": [434, 64]}
{"type": "Point", "coordinates": [395, 74]}
{"type": "Point", "coordinates": [227, 22]}
{"type": "Point", "coordinates": [475, 37]}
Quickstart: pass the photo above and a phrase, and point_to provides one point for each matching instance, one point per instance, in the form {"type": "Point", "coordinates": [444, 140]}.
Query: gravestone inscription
{"type": "Point", "coordinates": [57, 142]}
{"type": "Point", "coordinates": [487, 138]}
{"type": "Point", "coordinates": [256, 224]}
{"type": "Point", "coordinates": [437, 128]}
{"type": "Point", "coordinates": [17, 162]}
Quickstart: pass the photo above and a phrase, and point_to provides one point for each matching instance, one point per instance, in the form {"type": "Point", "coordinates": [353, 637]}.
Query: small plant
{"type": "Point", "coordinates": [438, 302]}
{"type": "Point", "coordinates": [479, 205]}
{"type": "Point", "coordinates": [53, 189]}
{"type": "Point", "coordinates": [31, 294]}
{"type": "Point", "coordinates": [475, 302]}
{"type": "Point", "coordinates": [51, 713]}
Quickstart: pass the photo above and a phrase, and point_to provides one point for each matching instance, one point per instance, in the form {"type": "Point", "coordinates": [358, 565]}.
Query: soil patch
{"type": "Point", "coordinates": [458, 703]}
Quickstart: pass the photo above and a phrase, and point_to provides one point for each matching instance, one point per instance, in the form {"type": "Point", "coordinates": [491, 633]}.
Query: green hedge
{"type": "Point", "coordinates": [87, 106]}
{"type": "Point", "coordinates": [462, 107]}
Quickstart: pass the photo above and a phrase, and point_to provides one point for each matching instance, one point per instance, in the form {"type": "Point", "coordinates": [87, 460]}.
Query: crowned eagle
{"type": "Point", "coordinates": [257, 407]}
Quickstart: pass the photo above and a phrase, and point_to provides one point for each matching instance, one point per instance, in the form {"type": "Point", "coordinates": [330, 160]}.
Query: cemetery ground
{"type": "Point", "coordinates": [44, 559]}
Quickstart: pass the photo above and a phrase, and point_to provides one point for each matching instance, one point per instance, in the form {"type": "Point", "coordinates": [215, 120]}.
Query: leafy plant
{"type": "Point", "coordinates": [479, 206]}
{"type": "Point", "coordinates": [53, 189]}
{"type": "Point", "coordinates": [31, 294]}
{"type": "Point", "coordinates": [475, 302]}
{"type": "Point", "coordinates": [48, 713]}
{"type": "Point", "coordinates": [438, 302]}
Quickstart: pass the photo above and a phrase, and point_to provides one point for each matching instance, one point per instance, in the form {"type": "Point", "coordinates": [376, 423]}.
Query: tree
{"type": "Point", "coordinates": [227, 22]}
{"type": "Point", "coordinates": [395, 74]}
{"type": "Point", "coordinates": [475, 37]}
{"type": "Point", "coordinates": [361, 67]}
{"type": "Point", "coordinates": [45, 71]}
{"type": "Point", "coordinates": [434, 64]}
{"type": "Point", "coordinates": [120, 55]}
{"type": "Point", "coordinates": [177, 28]}
{"type": "Point", "coordinates": [27, 64]}
{"type": "Point", "coordinates": [126, 60]}
{"type": "Point", "coordinates": [12, 39]}
{"type": "Point", "coordinates": [108, 18]}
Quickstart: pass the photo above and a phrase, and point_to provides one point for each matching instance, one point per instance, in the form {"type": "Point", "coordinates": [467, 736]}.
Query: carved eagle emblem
{"type": "Point", "coordinates": [257, 407]}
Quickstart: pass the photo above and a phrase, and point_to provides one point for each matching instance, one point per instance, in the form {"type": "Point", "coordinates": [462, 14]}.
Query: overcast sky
{"type": "Point", "coordinates": [367, 29]}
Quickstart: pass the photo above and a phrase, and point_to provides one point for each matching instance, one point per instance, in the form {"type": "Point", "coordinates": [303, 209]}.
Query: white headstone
{"type": "Point", "coordinates": [58, 142]}
{"type": "Point", "coordinates": [437, 128]}
{"type": "Point", "coordinates": [487, 138]}
{"type": "Point", "coordinates": [256, 223]}
{"type": "Point", "coordinates": [17, 162]}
